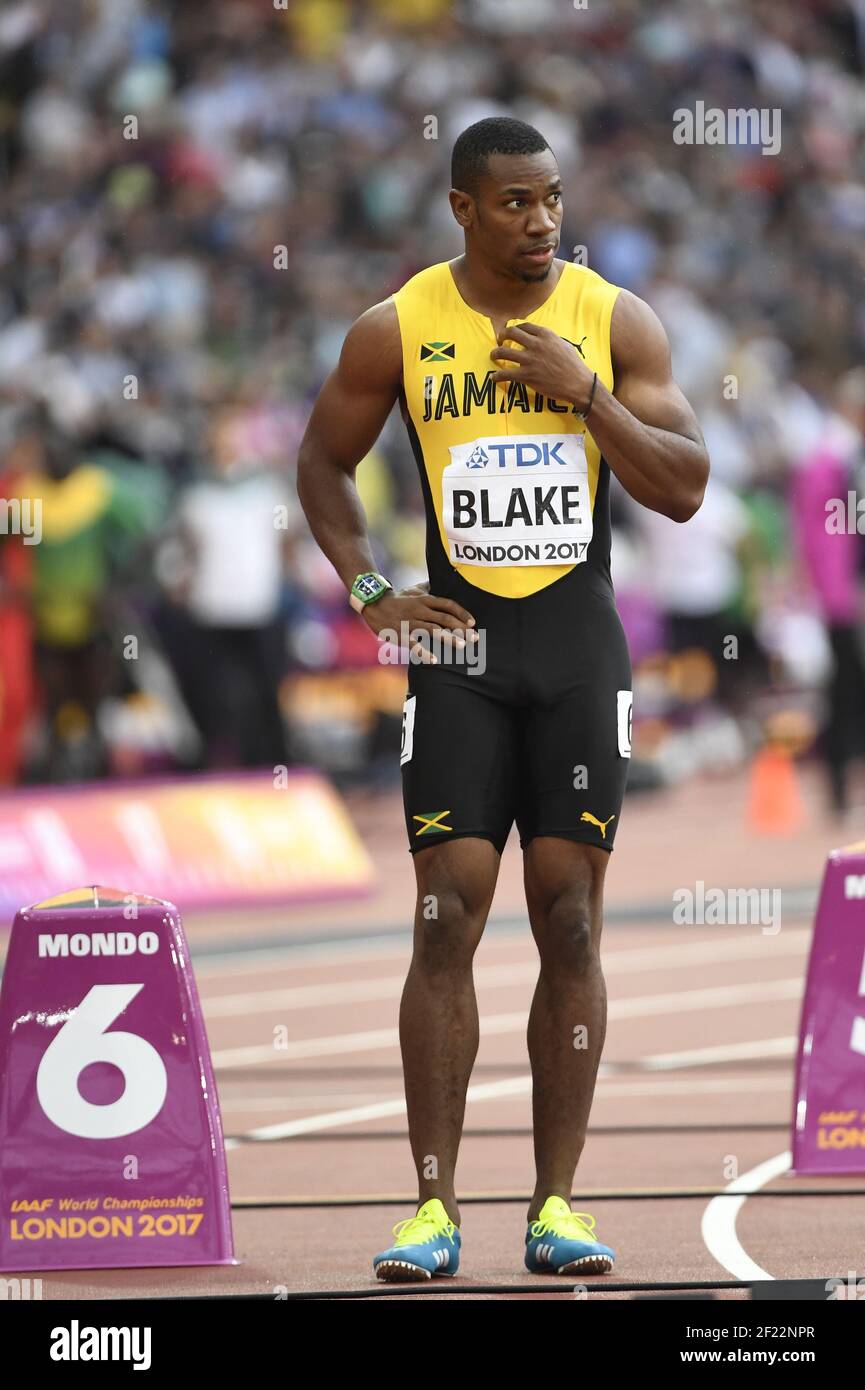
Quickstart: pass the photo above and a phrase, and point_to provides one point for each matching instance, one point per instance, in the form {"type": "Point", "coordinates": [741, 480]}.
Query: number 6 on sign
{"type": "Point", "coordinates": [82, 1041]}
{"type": "Point", "coordinates": [89, 992]}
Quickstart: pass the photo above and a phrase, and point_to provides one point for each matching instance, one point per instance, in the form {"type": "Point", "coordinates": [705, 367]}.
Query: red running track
{"type": "Point", "coordinates": [695, 1085]}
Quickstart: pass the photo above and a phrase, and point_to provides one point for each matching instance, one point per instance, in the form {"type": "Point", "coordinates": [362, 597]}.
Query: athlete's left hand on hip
{"type": "Point", "coordinates": [543, 361]}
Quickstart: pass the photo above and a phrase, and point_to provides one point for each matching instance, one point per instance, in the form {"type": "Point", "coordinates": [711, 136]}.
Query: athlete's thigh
{"type": "Point", "coordinates": [576, 736]}
{"type": "Point", "coordinates": [459, 760]}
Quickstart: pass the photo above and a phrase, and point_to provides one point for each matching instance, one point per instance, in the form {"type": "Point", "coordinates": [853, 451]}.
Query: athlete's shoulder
{"type": "Point", "coordinates": [372, 348]}
{"type": "Point", "coordinates": [432, 283]}
{"type": "Point", "coordinates": [583, 279]}
{"type": "Point", "coordinates": [374, 343]}
{"type": "Point", "coordinates": [637, 334]}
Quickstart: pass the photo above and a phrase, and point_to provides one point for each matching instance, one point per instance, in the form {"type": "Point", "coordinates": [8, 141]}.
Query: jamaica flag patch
{"type": "Point", "coordinates": [431, 822]}
{"type": "Point", "coordinates": [437, 352]}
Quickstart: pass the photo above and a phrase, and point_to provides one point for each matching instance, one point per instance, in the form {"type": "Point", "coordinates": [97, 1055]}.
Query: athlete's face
{"type": "Point", "coordinates": [515, 218]}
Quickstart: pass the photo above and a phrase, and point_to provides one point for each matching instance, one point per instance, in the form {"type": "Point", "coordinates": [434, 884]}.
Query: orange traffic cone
{"type": "Point", "coordinates": [774, 801]}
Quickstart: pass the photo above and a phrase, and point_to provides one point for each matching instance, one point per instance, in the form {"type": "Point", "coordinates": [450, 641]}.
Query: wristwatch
{"type": "Point", "coordinates": [367, 588]}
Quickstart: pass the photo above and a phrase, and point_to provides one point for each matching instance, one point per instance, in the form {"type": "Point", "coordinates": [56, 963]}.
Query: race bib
{"type": "Point", "coordinates": [407, 744]}
{"type": "Point", "coordinates": [624, 719]}
{"type": "Point", "coordinates": [520, 499]}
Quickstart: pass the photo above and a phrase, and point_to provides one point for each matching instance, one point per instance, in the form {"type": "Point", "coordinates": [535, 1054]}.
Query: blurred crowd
{"type": "Point", "coordinates": [197, 201]}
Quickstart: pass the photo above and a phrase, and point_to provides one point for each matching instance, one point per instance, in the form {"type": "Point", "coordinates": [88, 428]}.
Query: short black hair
{"type": "Point", "coordinates": [494, 135]}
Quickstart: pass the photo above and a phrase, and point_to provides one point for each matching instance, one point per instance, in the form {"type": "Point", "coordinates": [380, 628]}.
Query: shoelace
{"type": "Point", "coordinates": [569, 1223]}
{"type": "Point", "coordinates": [418, 1230]}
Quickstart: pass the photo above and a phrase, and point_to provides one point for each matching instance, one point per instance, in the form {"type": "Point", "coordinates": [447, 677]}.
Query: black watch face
{"type": "Point", "coordinates": [368, 586]}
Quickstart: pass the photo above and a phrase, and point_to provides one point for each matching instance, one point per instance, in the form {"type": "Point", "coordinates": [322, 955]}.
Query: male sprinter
{"type": "Point", "coordinates": [523, 380]}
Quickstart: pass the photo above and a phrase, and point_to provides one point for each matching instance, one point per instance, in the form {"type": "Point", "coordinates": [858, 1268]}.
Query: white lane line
{"type": "Point", "coordinates": [612, 1088]}
{"type": "Point", "coordinates": [712, 997]}
{"type": "Point", "coordinates": [718, 1225]}
{"type": "Point", "coordinates": [507, 934]}
{"type": "Point", "coordinates": [346, 991]}
{"type": "Point", "coordinates": [495, 1025]}
{"type": "Point", "coordinates": [276, 958]}
{"type": "Point", "coordinates": [609, 1088]}
{"type": "Point", "coordinates": [491, 1090]}
{"type": "Point", "coordinates": [729, 1052]}
{"type": "Point", "coordinates": [623, 962]}
{"type": "Point", "coordinates": [333, 1119]}
{"type": "Point", "coordinates": [297, 1102]}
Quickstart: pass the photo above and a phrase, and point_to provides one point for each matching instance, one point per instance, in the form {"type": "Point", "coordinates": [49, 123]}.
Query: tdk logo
{"type": "Point", "coordinates": [109, 943]}
{"type": "Point", "coordinates": [477, 458]}
{"type": "Point", "coordinates": [854, 885]}
{"type": "Point", "coordinates": [525, 454]}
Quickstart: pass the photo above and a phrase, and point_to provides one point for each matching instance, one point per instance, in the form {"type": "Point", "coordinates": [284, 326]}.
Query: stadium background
{"type": "Point", "coordinates": [195, 203]}
{"type": "Point", "coordinates": [198, 201]}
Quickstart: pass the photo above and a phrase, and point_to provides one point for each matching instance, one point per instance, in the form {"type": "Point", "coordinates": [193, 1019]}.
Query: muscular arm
{"type": "Point", "coordinates": [645, 428]}
{"type": "Point", "coordinates": [346, 420]}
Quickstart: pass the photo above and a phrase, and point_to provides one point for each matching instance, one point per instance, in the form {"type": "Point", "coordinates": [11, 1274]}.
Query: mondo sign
{"type": "Point", "coordinates": [829, 1118]}
{"type": "Point", "coordinates": [111, 1150]}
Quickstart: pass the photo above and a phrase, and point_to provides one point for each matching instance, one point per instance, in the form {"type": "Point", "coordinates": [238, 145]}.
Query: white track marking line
{"type": "Point", "coordinates": [621, 962]}
{"type": "Point", "coordinates": [718, 1226]}
{"type": "Point", "coordinates": [491, 1090]}
{"type": "Point", "coordinates": [496, 1025]}
{"type": "Point", "coordinates": [613, 1085]}
{"type": "Point", "coordinates": [337, 953]}
{"type": "Point", "coordinates": [334, 1119]}
{"type": "Point", "coordinates": [608, 1088]}
{"type": "Point", "coordinates": [253, 962]}
{"type": "Point", "coordinates": [728, 1052]}
{"type": "Point", "coordinates": [714, 996]}
{"type": "Point", "coordinates": [298, 1102]}
{"type": "Point", "coordinates": [345, 991]}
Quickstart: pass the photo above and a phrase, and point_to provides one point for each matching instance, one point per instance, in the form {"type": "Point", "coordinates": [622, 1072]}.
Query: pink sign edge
{"type": "Point", "coordinates": [833, 859]}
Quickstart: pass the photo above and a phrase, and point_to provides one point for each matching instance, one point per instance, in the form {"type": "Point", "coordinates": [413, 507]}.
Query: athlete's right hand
{"type": "Point", "coordinates": [421, 612]}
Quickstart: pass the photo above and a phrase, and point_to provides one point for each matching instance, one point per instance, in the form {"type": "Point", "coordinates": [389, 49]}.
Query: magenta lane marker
{"type": "Point", "coordinates": [829, 1115]}
{"type": "Point", "coordinates": [111, 1148]}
